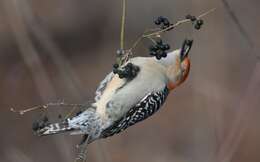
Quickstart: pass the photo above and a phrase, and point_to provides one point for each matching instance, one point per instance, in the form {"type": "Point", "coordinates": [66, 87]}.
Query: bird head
{"type": "Point", "coordinates": [177, 65]}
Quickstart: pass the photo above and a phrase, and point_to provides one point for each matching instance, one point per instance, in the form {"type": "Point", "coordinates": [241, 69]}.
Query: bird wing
{"type": "Point", "coordinates": [102, 86]}
{"type": "Point", "coordinates": [144, 109]}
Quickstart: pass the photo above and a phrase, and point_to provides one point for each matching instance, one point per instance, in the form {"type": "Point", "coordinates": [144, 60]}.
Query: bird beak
{"type": "Point", "coordinates": [185, 49]}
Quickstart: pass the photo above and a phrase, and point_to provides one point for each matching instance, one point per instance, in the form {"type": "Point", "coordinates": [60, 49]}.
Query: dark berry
{"type": "Point", "coordinates": [188, 16]}
{"type": "Point", "coordinates": [157, 22]}
{"type": "Point", "coordinates": [200, 22]}
{"type": "Point", "coordinates": [166, 22]}
{"type": "Point", "coordinates": [127, 71]}
{"type": "Point", "coordinates": [164, 54]}
{"type": "Point", "coordinates": [159, 42]}
{"type": "Point", "coordinates": [130, 64]}
{"type": "Point", "coordinates": [158, 57]}
{"type": "Point", "coordinates": [160, 52]}
{"type": "Point", "coordinates": [192, 18]}
{"type": "Point", "coordinates": [153, 48]}
{"type": "Point", "coordinates": [115, 71]}
{"type": "Point", "coordinates": [167, 47]}
{"type": "Point", "coordinates": [136, 69]}
{"type": "Point", "coordinates": [115, 66]}
{"type": "Point", "coordinates": [160, 18]}
{"type": "Point", "coordinates": [153, 53]}
{"type": "Point", "coordinates": [161, 47]}
{"type": "Point", "coordinates": [121, 74]}
{"type": "Point", "coordinates": [197, 26]}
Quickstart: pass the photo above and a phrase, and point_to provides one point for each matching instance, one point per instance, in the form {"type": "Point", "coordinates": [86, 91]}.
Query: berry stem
{"type": "Point", "coordinates": [154, 42]}
{"type": "Point", "coordinates": [122, 35]}
{"type": "Point", "coordinates": [157, 32]}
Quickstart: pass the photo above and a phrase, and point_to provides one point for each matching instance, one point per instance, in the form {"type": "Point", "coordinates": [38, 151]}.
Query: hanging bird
{"type": "Point", "coordinates": [122, 102]}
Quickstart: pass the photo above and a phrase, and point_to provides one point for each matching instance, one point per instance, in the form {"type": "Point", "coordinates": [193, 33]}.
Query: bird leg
{"type": "Point", "coordinates": [83, 140]}
{"type": "Point", "coordinates": [82, 155]}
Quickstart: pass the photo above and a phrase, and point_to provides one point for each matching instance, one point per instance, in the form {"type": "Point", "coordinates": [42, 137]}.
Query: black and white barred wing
{"type": "Point", "coordinates": [144, 109]}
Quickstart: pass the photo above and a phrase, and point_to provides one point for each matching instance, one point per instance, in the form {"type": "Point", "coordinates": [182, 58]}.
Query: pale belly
{"type": "Point", "coordinates": [121, 95]}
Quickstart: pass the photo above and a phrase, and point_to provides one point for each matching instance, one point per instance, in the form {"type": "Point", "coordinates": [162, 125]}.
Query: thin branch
{"type": "Point", "coordinates": [122, 35]}
{"type": "Point", "coordinates": [139, 39]}
{"type": "Point", "coordinates": [46, 106]}
{"type": "Point", "coordinates": [176, 24]}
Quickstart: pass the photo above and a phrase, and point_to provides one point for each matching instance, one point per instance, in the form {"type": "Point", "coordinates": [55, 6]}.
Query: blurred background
{"type": "Point", "coordinates": [61, 49]}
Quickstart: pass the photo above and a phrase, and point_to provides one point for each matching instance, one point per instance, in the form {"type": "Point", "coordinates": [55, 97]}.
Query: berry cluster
{"type": "Point", "coordinates": [197, 22]}
{"type": "Point", "coordinates": [129, 71]}
{"type": "Point", "coordinates": [163, 22]}
{"type": "Point", "coordinates": [159, 50]}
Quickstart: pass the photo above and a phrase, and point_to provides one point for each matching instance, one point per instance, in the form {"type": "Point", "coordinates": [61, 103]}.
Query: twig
{"type": "Point", "coordinates": [74, 107]}
{"type": "Point", "coordinates": [139, 39]}
{"type": "Point", "coordinates": [51, 104]}
{"type": "Point", "coordinates": [122, 35]}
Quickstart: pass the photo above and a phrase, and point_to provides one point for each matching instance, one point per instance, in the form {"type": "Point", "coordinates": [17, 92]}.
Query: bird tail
{"type": "Point", "coordinates": [54, 128]}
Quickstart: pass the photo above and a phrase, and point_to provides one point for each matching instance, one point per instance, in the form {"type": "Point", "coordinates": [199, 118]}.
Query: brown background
{"type": "Point", "coordinates": [61, 49]}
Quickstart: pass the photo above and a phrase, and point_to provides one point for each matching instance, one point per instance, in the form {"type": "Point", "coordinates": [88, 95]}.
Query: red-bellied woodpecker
{"type": "Point", "coordinates": [122, 102]}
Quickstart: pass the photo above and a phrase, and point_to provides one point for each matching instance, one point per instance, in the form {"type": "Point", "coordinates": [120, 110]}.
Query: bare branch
{"type": "Point", "coordinates": [46, 106]}
{"type": "Point", "coordinates": [122, 34]}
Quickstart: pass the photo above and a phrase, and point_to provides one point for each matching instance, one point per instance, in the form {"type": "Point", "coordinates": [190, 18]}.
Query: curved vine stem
{"type": "Point", "coordinates": [122, 35]}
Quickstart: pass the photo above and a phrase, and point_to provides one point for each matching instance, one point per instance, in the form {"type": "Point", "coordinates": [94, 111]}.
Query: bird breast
{"type": "Point", "coordinates": [121, 95]}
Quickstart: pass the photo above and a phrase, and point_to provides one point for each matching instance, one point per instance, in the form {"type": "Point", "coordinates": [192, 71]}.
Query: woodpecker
{"type": "Point", "coordinates": [121, 102]}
